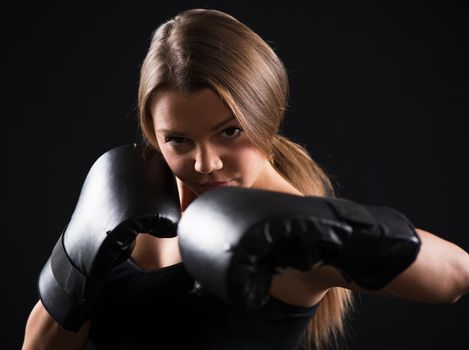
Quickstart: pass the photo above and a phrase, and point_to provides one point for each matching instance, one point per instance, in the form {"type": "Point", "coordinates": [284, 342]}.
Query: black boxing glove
{"type": "Point", "coordinates": [127, 191]}
{"type": "Point", "coordinates": [233, 239]}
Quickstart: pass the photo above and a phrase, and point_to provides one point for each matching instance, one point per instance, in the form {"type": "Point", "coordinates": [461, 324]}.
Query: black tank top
{"type": "Point", "coordinates": [140, 309]}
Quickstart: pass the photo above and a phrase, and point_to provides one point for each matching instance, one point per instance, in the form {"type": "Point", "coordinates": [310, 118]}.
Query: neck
{"type": "Point", "coordinates": [271, 180]}
{"type": "Point", "coordinates": [186, 195]}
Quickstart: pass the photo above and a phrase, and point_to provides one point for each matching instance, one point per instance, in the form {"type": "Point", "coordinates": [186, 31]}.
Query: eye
{"type": "Point", "coordinates": [232, 132]}
{"type": "Point", "coordinates": [174, 140]}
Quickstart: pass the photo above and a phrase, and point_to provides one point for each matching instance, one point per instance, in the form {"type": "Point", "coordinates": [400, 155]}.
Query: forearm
{"type": "Point", "coordinates": [439, 274]}
{"type": "Point", "coordinates": [43, 332]}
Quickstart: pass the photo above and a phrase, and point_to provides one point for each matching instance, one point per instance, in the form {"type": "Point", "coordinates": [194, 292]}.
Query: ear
{"type": "Point", "coordinates": [186, 195]}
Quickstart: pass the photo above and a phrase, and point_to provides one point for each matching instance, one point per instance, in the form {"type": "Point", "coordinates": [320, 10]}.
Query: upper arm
{"type": "Point", "coordinates": [43, 332]}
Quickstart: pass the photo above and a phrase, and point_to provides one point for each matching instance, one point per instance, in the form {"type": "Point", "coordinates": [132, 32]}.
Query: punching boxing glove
{"type": "Point", "coordinates": [127, 191]}
{"type": "Point", "coordinates": [233, 239]}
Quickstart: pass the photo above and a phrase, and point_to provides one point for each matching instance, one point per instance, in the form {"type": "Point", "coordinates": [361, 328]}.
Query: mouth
{"type": "Point", "coordinates": [209, 185]}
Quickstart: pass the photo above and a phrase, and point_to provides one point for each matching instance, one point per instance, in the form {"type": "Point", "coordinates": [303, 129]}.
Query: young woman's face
{"type": "Point", "coordinates": [202, 142]}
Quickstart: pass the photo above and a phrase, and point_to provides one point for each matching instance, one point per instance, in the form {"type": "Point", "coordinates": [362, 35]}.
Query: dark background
{"type": "Point", "coordinates": [378, 96]}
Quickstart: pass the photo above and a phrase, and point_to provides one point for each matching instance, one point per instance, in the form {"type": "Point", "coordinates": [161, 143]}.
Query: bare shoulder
{"type": "Point", "coordinates": [307, 288]}
{"type": "Point", "coordinates": [304, 288]}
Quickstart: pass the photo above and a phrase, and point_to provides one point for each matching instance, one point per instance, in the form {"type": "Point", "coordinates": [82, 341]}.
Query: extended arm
{"type": "Point", "coordinates": [331, 242]}
{"type": "Point", "coordinates": [440, 274]}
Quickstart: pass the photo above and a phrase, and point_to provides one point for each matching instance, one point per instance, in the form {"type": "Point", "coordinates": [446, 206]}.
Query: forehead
{"type": "Point", "coordinates": [173, 110]}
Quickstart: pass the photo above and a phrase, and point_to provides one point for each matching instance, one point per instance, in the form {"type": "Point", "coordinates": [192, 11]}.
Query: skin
{"type": "Point", "coordinates": [197, 154]}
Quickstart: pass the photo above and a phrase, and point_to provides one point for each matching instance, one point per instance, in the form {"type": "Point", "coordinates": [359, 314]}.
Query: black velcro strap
{"type": "Point", "coordinates": [67, 275]}
{"type": "Point", "coordinates": [351, 212]}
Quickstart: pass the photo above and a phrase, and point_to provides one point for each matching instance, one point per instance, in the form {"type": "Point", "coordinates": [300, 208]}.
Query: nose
{"type": "Point", "coordinates": [207, 160]}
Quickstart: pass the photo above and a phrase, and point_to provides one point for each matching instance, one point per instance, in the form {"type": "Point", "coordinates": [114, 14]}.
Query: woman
{"type": "Point", "coordinates": [211, 98]}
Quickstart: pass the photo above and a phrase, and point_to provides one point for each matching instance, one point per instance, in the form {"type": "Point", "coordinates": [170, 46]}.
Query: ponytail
{"type": "Point", "coordinates": [295, 164]}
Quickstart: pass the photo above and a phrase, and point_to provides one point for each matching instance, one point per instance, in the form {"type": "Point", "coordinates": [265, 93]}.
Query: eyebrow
{"type": "Point", "coordinates": [216, 127]}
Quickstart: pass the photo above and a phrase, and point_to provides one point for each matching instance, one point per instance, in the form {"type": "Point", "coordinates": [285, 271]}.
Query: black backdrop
{"type": "Point", "coordinates": [378, 96]}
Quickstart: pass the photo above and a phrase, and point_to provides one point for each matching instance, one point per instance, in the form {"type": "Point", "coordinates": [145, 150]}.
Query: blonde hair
{"type": "Point", "coordinates": [203, 48]}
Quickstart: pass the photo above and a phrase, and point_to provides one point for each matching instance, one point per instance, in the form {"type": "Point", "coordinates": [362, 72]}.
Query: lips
{"type": "Point", "coordinates": [215, 184]}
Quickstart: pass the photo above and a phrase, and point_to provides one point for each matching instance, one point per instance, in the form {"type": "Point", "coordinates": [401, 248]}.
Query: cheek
{"type": "Point", "coordinates": [177, 164]}
{"type": "Point", "coordinates": [248, 159]}
{"type": "Point", "coordinates": [175, 161]}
